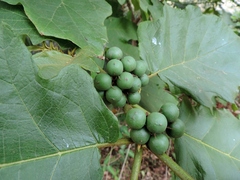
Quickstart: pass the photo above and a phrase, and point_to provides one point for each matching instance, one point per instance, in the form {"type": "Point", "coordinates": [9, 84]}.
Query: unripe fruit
{"type": "Point", "coordinates": [156, 122]}
{"type": "Point", "coordinates": [139, 136]}
{"type": "Point", "coordinates": [176, 129]}
{"type": "Point", "coordinates": [144, 79]}
{"type": "Point", "coordinates": [129, 63]}
{"type": "Point", "coordinates": [125, 80]}
{"type": "Point", "coordinates": [114, 53]}
{"type": "Point", "coordinates": [158, 144]}
{"type": "Point", "coordinates": [140, 69]}
{"type": "Point", "coordinates": [171, 111]}
{"type": "Point", "coordinates": [136, 118]}
{"type": "Point", "coordinates": [114, 94]}
{"type": "Point", "coordinates": [101, 94]}
{"type": "Point", "coordinates": [121, 102]}
{"type": "Point", "coordinates": [136, 85]}
{"type": "Point", "coordinates": [134, 98]}
{"type": "Point", "coordinates": [102, 82]}
{"type": "Point", "coordinates": [114, 67]}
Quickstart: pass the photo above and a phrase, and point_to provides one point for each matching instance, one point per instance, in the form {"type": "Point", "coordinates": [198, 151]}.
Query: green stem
{"type": "Point", "coordinates": [174, 167]}
{"type": "Point", "coordinates": [123, 141]}
{"type": "Point", "coordinates": [140, 107]}
{"type": "Point", "coordinates": [137, 162]}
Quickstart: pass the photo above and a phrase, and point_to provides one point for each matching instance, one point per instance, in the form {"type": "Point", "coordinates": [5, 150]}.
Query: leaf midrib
{"type": "Point", "coordinates": [59, 154]}
{"type": "Point", "coordinates": [211, 147]}
{"type": "Point", "coordinates": [185, 62]}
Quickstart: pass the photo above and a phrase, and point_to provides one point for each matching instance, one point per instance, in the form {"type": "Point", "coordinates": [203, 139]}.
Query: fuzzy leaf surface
{"type": "Point", "coordinates": [196, 52]}
{"type": "Point", "coordinates": [210, 147]}
{"type": "Point", "coordinates": [48, 125]}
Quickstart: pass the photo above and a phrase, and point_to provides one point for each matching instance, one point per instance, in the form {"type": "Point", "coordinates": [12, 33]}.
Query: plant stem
{"type": "Point", "coordinates": [123, 141]}
{"type": "Point", "coordinates": [137, 162]}
{"type": "Point", "coordinates": [175, 167]}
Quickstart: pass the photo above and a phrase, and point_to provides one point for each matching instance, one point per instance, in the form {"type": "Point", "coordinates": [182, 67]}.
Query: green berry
{"type": "Point", "coordinates": [171, 111]}
{"type": "Point", "coordinates": [134, 98]}
{"type": "Point", "coordinates": [125, 80]}
{"type": "Point", "coordinates": [139, 136]}
{"type": "Point", "coordinates": [114, 53]}
{"type": "Point", "coordinates": [114, 67]}
{"type": "Point", "coordinates": [114, 94]}
{"type": "Point", "coordinates": [140, 69]}
{"type": "Point", "coordinates": [136, 118]}
{"type": "Point", "coordinates": [158, 144]}
{"type": "Point", "coordinates": [156, 122]}
{"type": "Point", "coordinates": [102, 82]}
{"type": "Point", "coordinates": [144, 79]}
{"type": "Point", "coordinates": [129, 63]}
{"type": "Point", "coordinates": [136, 85]}
{"type": "Point", "coordinates": [121, 102]}
{"type": "Point", "coordinates": [176, 129]}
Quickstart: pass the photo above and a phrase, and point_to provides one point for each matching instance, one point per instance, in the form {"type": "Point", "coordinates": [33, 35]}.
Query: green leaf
{"type": "Point", "coordinates": [48, 125]}
{"type": "Point", "coordinates": [120, 31]}
{"type": "Point", "coordinates": [153, 6]}
{"type": "Point", "coordinates": [195, 52]}
{"type": "Point", "coordinates": [78, 21]}
{"type": "Point", "coordinates": [50, 63]}
{"type": "Point", "coordinates": [84, 58]}
{"type": "Point", "coordinates": [21, 25]}
{"type": "Point", "coordinates": [121, 1]}
{"type": "Point", "coordinates": [210, 147]}
{"type": "Point", "coordinates": [70, 165]}
{"type": "Point", "coordinates": [154, 95]}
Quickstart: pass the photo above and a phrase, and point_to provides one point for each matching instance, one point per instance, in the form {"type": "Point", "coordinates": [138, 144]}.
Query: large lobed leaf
{"type": "Point", "coordinates": [210, 146]}
{"type": "Point", "coordinates": [49, 129]}
{"type": "Point", "coordinates": [15, 17]}
{"type": "Point", "coordinates": [78, 21]}
{"type": "Point", "coordinates": [195, 52]}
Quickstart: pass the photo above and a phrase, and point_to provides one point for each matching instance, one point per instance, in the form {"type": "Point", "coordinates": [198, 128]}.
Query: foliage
{"type": "Point", "coordinates": [52, 119]}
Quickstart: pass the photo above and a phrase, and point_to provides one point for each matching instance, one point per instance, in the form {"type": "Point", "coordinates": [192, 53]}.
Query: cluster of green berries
{"type": "Point", "coordinates": [123, 79]}
{"type": "Point", "coordinates": [154, 129]}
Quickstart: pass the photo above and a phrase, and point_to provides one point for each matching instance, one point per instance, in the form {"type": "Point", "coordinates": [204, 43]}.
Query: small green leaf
{"type": "Point", "coordinates": [196, 52]}
{"type": "Point", "coordinates": [210, 147]}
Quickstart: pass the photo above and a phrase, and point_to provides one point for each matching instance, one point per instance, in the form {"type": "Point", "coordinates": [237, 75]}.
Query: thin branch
{"type": "Point", "coordinates": [125, 160]}
{"type": "Point", "coordinates": [123, 141]}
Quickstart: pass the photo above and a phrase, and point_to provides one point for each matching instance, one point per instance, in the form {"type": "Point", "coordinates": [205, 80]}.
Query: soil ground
{"type": "Point", "coordinates": [151, 168]}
